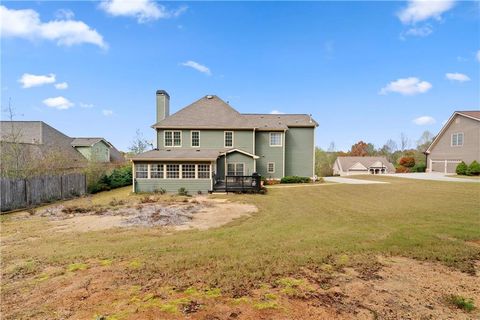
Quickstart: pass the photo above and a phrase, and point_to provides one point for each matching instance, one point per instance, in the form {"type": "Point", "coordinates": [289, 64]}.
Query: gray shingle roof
{"type": "Point", "coordinates": [180, 154]}
{"type": "Point", "coordinates": [211, 112]}
{"type": "Point", "coordinates": [87, 142]}
{"type": "Point", "coordinates": [348, 162]}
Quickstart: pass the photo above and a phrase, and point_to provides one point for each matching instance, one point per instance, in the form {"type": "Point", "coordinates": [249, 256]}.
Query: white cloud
{"type": "Point", "coordinates": [407, 86]}
{"type": "Point", "coordinates": [59, 103]}
{"type": "Point", "coordinates": [478, 55]}
{"type": "Point", "coordinates": [29, 80]}
{"type": "Point", "coordinates": [26, 24]}
{"type": "Point", "coordinates": [197, 66]}
{"type": "Point", "coordinates": [276, 112]}
{"type": "Point", "coordinates": [421, 10]}
{"type": "Point", "coordinates": [423, 31]}
{"type": "Point", "coordinates": [457, 77]}
{"type": "Point", "coordinates": [424, 120]}
{"type": "Point", "coordinates": [61, 85]}
{"type": "Point", "coordinates": [142, 10]}
{"type": "Point", "coordinates": [107, 112]}
{"type": "Point", "coordinates": [85, 105]}
{"type": "Point", "coordinates": [64, 14]}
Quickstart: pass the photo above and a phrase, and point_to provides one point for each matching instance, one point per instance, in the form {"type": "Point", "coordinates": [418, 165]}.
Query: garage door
{"type": "Point", "coordinates": [439, 165]}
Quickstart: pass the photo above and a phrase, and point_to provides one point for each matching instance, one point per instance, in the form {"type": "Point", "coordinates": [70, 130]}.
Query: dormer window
{"type": "Point", "coordinates": [457, 139]}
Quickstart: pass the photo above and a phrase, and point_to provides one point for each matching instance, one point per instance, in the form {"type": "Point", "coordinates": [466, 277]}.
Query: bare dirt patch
{"type": "Point", "coordinates": [402, 288]}
{"type": "Point", "coordinates": [195, 213]}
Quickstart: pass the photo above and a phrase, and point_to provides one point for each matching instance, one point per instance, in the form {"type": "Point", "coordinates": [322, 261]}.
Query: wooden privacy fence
{"type": "Point", "coordinates": [23, 193]}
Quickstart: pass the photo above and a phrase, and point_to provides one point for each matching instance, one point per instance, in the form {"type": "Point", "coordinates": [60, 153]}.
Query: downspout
{"type": "Point", "coordinates": [133, 176]}
{"type": "Point", "coordinates": [254, 152]}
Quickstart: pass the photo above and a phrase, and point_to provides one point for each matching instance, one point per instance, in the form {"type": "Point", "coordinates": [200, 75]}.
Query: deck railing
{"type": "Point", "coordinates": [242, 183]}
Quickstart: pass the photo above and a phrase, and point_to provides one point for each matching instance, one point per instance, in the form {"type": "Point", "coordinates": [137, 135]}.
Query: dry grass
{"type": "Point", "coordinates": [295, 229]}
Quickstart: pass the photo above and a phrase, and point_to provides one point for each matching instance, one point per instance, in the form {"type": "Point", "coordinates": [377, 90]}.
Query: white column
{"type": "Point", "coordinates": [431, 164]}
{"type": "Point", "coordinates": [148, 170]}
{"type": "Point", "coordinates": [133, 176]}
{"type": "Point", "coordinates": [180, 171]}
{"type": "Point", "coordinates": [446, 166]}
{"type": "Point", "coordinates": [196, 171]}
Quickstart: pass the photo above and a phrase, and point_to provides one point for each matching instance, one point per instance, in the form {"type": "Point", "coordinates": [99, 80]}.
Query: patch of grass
{"type": "Point", "coordinates": [105, 262]}
{"type": "Point", "coordinates": [460, 302]}
{"type": "Point", "coordinates": [77, 267]}
{"type": "Point", "coordinates": [213, 293]}
{"type": "Point", "coordinates": [135, 264]}
{"type": "Point", "coordinates": [266, 305]}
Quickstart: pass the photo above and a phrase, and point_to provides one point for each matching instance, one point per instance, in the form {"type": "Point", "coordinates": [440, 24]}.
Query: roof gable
{"type": "Point", "coordinates": [474, 115]}
{"type": "Point", "coordinates": [357, 166]}
{"type": "Point", "coordinates": [207, 112]}
{"type": "Point", "coordinates": [88, 142]}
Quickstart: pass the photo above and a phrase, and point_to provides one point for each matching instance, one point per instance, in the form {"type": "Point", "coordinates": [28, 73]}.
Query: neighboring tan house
{"type": "Point", "coordinates": [97, 149]}
{"type": "Point", "coordinates": [459, 140]}
{"type": "Point", "coordinates": [40, 140]}
{"type": "Point", "coordinates": [345, 166]}
{"type": "Point", "coordinates": [198, 146]}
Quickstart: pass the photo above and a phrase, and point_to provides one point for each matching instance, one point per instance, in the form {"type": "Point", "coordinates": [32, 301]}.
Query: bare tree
{"type": "Point", "coordinates": [14, 154]}
{"type": "Point", "coordinates": [425, 139]}
{"type": "Point", "coordinates": [140, 144]}
{"type": "Point", "coordinates": [404, 141]}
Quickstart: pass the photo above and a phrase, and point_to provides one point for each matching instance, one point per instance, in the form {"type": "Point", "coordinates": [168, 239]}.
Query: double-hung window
{"type": "Point", "coordinates": [275, 139]}
{"type": "Point", "coordinates": [141, 170]}
{"type": "Point", "coordinates": [173, 171]}
{"type": "Point", "coordinates": [457, 139]}
{"type": "Point", "coordinates": [271, 167]}
{"type": "Point", "coordinates": [188, 171]}
{"type": "Point", "coordinates": [203, 171]}
{"type": "Point", "coordinates": [195, 136]}
{"type": "Point", "coordinates": [173, 138]}
{"type": "Point", "coordinates": [235, 169]}
{"type": "Point", "coordinates": [156, 171]}
{"type": "Point", "coordinates": [228, 135]}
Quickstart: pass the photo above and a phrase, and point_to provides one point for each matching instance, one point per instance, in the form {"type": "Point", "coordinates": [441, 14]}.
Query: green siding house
{"type": "Point", "coordinates": [94, 149]}
{"type": "Point", "coordinates": [201, 144]}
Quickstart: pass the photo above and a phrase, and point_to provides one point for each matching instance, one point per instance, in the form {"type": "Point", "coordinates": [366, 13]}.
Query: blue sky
{"type": "Point", "coordinates": [364, 70]}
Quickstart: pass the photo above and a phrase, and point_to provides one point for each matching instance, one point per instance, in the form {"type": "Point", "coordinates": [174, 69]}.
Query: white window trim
{"type": "Point", "coordinates": [173, 138]}
{"type": "Point", "coordinates": [191, 139]}
{"type": "Point", "coordinates": [225, 140]}
{"type": "Point", "coordinates": [235, 167]}
{"type": "Point", "coordinates": [268, 167]}
{"type": "Point", "coordinates": [270, 140]}
{"type": "Point", "coordinates": [457, 145]}
{"type": "Point", "coordinates": [209, 171]}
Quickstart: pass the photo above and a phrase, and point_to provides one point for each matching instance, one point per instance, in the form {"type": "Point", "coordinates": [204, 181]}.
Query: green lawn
{"type": "Point", "coordinates": [294, 228]}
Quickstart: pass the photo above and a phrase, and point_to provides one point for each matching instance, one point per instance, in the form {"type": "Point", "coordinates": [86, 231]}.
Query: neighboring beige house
{"type": "Point", "coordinates": [459, 140]}
{"type": "Point", "coordinates": [345, 166]}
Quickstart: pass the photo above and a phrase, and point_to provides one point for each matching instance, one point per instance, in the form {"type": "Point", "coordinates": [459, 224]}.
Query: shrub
{"type": "Point", "coordinates": [462, 303]}
{"type": "Point", "coordinates": [401, 169]}
{"type": "Point", "coordinates": [419, 167]}
{"type": "Point", "coordinates": [408, 162]}
{"type": "Point", "coordinates": [98, 180]}
{"type": "Point", "coordinates": [474, 168]}
{"type": "Point", "coordinates": [120, 177]}
{"type": "Point", "coordinates": [461, 168]}
{"type": "Point", "coordinates": [182, 192]}
{"type": "Point", "coordinates": [295, 179]}
{"type": "Point", "coordinates": [159, 191]}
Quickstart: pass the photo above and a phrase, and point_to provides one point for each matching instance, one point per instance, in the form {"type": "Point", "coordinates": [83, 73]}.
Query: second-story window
{"type": "Point", "coordinates": [457, 139]}
{"type": "Point", "coordinates": [173, 139]}
{"type": "Point", "coordinates": [195, 138]}
{"type": "Point", "coordinates": [228, 138]}
{"type": "Point", "coordinates": [275, 139]}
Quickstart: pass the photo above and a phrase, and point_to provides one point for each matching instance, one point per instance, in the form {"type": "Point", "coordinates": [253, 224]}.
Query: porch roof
{"type": "Point", "coordinates": [190, 154]}
{"type": "Point", "coordinates": [179, 154]}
